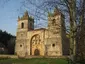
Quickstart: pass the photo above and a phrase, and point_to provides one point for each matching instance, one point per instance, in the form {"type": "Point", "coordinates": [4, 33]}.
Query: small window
{"type": "Point", "coordinates": [53, 45]}
{"type": "Point", "coordinates": [53, 22]}
{"type": "Point", "coordinates": [22, 25]}
{"type": "Point", "coordinates": [20, 45]}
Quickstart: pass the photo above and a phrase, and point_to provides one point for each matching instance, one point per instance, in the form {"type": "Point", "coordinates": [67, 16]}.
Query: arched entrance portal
{"type": "Point", "coordinates": [36, 46]}
{"type": "Point", "coordinates": [36, 52]}
{"type": "Point", "coordinates": [35, 43]}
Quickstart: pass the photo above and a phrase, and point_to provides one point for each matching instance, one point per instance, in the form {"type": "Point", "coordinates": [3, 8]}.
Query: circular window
{"type": "Point", "coordinates": [53, 45]}
{"type": "Point", "coordinates": [20, 45]}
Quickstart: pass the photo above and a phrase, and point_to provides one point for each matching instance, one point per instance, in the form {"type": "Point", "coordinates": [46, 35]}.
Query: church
{"type": "Point", "coordinates": [50, 41]}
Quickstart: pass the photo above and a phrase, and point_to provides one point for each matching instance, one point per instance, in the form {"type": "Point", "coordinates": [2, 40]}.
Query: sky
{"type": "Point", "coordinates": [9, 12]}
{"type": "Point", "coordinates": [11, 9]}
{"type": "Point", "coordinates": [8, 15]}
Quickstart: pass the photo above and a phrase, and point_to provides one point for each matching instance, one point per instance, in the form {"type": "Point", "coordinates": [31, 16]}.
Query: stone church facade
{"type": "Point", "coordinates": [51, 41]}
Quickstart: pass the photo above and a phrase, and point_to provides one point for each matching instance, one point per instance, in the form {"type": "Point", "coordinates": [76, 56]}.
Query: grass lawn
{"type": "Point", "coordinates": [34, 61]}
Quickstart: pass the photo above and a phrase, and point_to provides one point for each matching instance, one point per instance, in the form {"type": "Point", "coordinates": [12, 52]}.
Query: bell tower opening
{"type": "Point", "coordinates": [22, 25]}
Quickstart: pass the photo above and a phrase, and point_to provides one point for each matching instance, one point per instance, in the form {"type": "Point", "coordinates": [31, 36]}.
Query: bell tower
{"type": "Point", "coordinates": [54, 21]}
{"type": "Point", "coordinates": [25, 23]}
{"type": "Point", "coordinates": [55, 32]}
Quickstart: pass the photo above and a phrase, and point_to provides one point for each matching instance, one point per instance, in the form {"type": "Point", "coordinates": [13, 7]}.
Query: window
{"type": "Point", "coordinates": [36, 39]}
{"type": "Point", "coordinates": [20, 45]}
{"type": "Point", "coordinates": [53, 22]}
{"type": "Point", "coordinates": [53, 45]}
{"type": "Point", "coordinates": [22, 25]}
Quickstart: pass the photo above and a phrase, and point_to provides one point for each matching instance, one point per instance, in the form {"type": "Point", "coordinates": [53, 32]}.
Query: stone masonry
{"type": "Point", "coordinates": [42, 42]}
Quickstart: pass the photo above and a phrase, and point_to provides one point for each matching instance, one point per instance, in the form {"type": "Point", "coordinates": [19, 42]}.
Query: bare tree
{"type": "Point", "coordinates": [81, 31]}
{"type": "Point", "coordinates": [74, 11]}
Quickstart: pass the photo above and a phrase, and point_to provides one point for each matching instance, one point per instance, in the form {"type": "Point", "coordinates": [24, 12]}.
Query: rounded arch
{"type": "Point", "coordinates": [35, 39]}
{"type": "Point", "coordinates": [36, 52]}
{"type": "Point", "coordinates": [35, 35]}
{"type": "Point", "coordinates": [22, 25]}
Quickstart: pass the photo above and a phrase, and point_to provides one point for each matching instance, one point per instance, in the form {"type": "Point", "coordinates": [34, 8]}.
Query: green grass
{"type": "Point", "coordinates": [34, 61]}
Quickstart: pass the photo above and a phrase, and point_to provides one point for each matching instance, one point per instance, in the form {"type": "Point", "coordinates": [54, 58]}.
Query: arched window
{"type": "Point", "coordinates": [22, 25]}
{"type": "Point", "coordinates": [36, 39]}
{"type": "Point", "coordinates": [53, 22]}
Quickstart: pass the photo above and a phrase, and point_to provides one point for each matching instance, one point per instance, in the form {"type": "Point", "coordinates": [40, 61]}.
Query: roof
{"type": "Point", "coordinates": [38, 29]}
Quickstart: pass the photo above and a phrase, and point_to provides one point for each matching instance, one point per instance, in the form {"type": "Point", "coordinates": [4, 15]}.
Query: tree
{"type": "Point", "coordinates": [69, 7]}
{"type": "Point", "coordinates": [74, 10]}
{"type": "Point", "coordinates": [81, 31]}
{"type": "Point", "coordinates": [11, 46]}
{"type": "Point", "coordinates": [8, 41]}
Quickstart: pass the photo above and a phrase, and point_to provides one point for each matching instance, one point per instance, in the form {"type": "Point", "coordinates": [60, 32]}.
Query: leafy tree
{"type": "Point", "coordinates": [8, 41]}
{"type": "Point", "coordinates": [11, 45]}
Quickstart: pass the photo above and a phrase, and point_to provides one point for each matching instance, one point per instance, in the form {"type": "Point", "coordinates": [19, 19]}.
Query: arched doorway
{"type": "Point", "coordinates": [36, 52]}
{"type": "Point", "coordinates": [35, 42]}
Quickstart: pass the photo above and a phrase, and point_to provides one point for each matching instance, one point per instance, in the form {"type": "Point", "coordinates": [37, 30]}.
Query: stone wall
{"type": "Point", "coordinates": [16, 57]}
{"type": "Point", "coordinates": [8, 56]}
